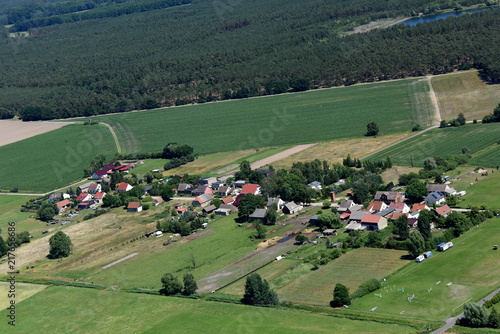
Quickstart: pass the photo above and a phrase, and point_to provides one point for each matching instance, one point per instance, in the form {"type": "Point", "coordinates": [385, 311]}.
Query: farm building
{"type": "Point", "coordinates": [228, 200]}
{"type": "Point", "coordinates": [443, 211]}
{"type": "Point", "coordinates": [435, 197]}
{"type": "Point", "coordinates": [203, 200]}
{"type": "Point", "coordinates": [385, 213]}
{"type": "Point", "coordinates": [412, 222]}
{"type": "Point", "coordinates": [388, 196]}
{"type": "Point", "coordinates": [210, 209]}
{"type": "Point", "coordinates": [345, 215]}
{"type": "Point", "coordinates": [374, 222]}
{"type": "Point", "coordinates": [345, 205]}
{"type": "Point", "coordinates": [103, 172]}
{"type": "Point", "coordinates": [376, 206]}
{"type": "Point", "coordinates": [258, 215]}
{"type": "Point", "coordinates": [442, 188]}
{"type": "Point", "coordinates": [63, 205]}
{"type": "Point", "coordinates": [56, 197]}
{"type": "Point", "coordinates": [228, 206]}
{"type": "Point", "coordinates": [123, 186]}
{"type": "Point", "coordinates": [276, 200]}
{"type": "Point", "coordinates": [85, 205]}
{"type": "Point", "coordinates": [356, 216]}
{"type": "Point", "coordinates": [157, 201]}
{"type": "Point", "coordinates": [94, 188]}
{"type": "Point", "coordinates": [223, 212]}
{"type": "Point", "coordinates": [354, 226]}
{"type": "Point", "coordinates": [134, 207]}
{"type": "Point", "coordinates": [181, 210]}
{"type": "Point", "coordinates": [291, 208]}
{"type": "Point", "coordinates": [238, 183]}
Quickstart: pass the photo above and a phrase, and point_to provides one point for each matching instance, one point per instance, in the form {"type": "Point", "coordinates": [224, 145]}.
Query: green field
{"type": "Point", "coordinates": [489, 158]}
{"type": "Point", "coordinates": [223, 244]}
{"type": "Point", "coordinates": [53, 159]}
{"type": "Point", "coordinates": [277, 120]}
{"type": "Point", "coordinates": [443, 142]}
{"type": "Point", "coordinates": [23, 291]}
{"type": "Point", "coordinates": [485, 192]}
{"type": "Point", "coordinates": [471, 266]}
{"type": "Point", "coordinates": [77, 310]}
{"type": "Point", "coordinates": [10, 206]}
{"type": "Point", "coordinates": [351, 269]}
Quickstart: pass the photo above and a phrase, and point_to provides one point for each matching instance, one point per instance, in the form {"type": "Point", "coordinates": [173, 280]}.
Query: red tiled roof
{"type": "Point", "coordinates": [396, 215]}
{"type": "Point", "coordinates": [445, 209]}
{"type": "Point", "coordinates": [375, 205]}
{"type": "Point", "coordinates": [345, 215]}
{"type": "Point", "coordinates": [371, 219]}
{"type": "Point", "coordinates": [133, 205]}
{"type": "Point", "coordinates": [99, 195]}
{"type": "Point", "coordinates": [399, 206]}
{"type": "Point", "coordinates": [249, 188]}
{"type": "Point", "coordinates": [418, 207]}
{"type": "Point", "coordinates": [82, 196]}
{"type": "Point", "coordinates": [181, 210]}
{"type": "Point", "coordinates": [122, 186]}
{"type": "Point", "coordinates": [63, 203]}
{"type": "Point", "coordinates": [227, 200]}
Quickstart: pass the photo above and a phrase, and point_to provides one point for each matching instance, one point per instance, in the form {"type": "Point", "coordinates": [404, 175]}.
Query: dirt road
{"type": "Point", "coordinates": [13, 131]}
{"type": "Point", "coordinates": [281, 155]}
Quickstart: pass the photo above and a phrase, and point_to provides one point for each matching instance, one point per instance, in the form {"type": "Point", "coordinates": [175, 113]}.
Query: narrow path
{"type": "Point", "coordinates": [118, 148]}
{"type": "Point", "coordinates": [434, 100]}
{"type": "Point", "coordinates": [120, 260]}
{"type": "Point", "coordinates": [450, 322]}
{"type": "Point", "coordinates": [281, 155]}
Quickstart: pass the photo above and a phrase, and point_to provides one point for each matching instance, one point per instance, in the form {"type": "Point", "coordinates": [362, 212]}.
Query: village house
{"type": "Point", "coordinates": [123, 187]}
{"type": "Point", "coordinates": [105, 171]}
{"type": "Point", "coordinates": [345, 205]}
{"type": "Point", "coordinates": [419, 207]}
{"type": "Point", "coordinates": [276, 200]}
{"type": "Point", "coordinates": [223, 191]}
{"type": "Point", "coordinates": [209, 209]}
{"type": "Point", "coordinates": [435, 197]}
{"type": "Point", "coordinates": [55, 197]}
{"type": "Point", "coordinates": [400, 207]}
{"type": "Point", "coordinates": [444, 211]}
{"type": "Point", "coordinates": [200, 190]}
{"type": "Point", "coordinates": [228, 206]}
{"type": "Point", "coordinates": [291, 208]}
{"type": "Point", "coordinates": [63, 205]}
{"type": "Point", "coordinates": [134, 207]}
{"type": "Point", "coordinates": [157, 201]}
{"type": "Point", "coordinates": [184, 188]}
{"type": "Point", "coordinates": [207, 181]}
{"type": "Point", "coordinates": [94, 188]}
{"type": "Point", "coordinates": [223, 212]}
{"type": "Point", "coordinates": [84, 188]}
{"type": "Point", "coordinates": [356, 216]}
{"type": "Point", "coordinates": [85, 205]}
{"type": "Point", "coordinates": [83, 197]}
{"type": "Point", "coordinates": [203, 200]}
{"type": "Point", "coordinates": [250, 189]}
{"type": "Point", "coordinates": [98, 197]}
{"type": "Point", "coordinates": [228, 200]}
{"type": "Point", "coordinates": [216, 185]}
{"type": "Point", "coordinates": [376, 206]}
{"type": "Point", "coordinates": [388, 196]}
{"type": "Point", "coordinates": [387, 212]}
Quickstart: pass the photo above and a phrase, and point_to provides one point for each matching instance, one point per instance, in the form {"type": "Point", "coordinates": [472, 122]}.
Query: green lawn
{"type": "Point", "coordinates": [351, 269]}
{"type": "Point", "coordinates": [149, 165]}
{"type": "Point", "coordinates": [76, 310]}
{"type": "Point", "coordinates": [53, 159]}
{"type": "Point", "coordinates": [278, 120]}
{"type": "Point", "coordinates": [486, 191]}
{"type": "Point", "coordinates": [471, 266]}
{"type": "Point", "coordinates": [224, 244]}
{"type": "Point", "coordinates": [443, 142]}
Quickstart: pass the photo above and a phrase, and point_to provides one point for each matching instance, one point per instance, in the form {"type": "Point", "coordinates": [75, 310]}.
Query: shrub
{"type": "Point", "coordinates": [365, 288]}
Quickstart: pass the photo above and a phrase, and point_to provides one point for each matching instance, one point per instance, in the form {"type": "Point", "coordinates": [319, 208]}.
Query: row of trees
{"type": "Point", "coordinates": [76, 83]}
{"type": "Point", "coordinates": [172, 286]}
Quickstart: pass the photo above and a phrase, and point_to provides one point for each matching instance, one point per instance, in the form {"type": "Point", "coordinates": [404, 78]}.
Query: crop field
{"type": "Point", "coordinates": [351, 269]}
{"type": "Point", "coordinates": [443, 142]}
{"type": "Point", "coordinates": [465, 92]}
{"type": "Point", "coordinates": [54, 159]}
{"type": "Point", "coordinates": [442, 283]}
{"type": "Point", "coordinates": [95, 311]}
{"type": "Point", "coordinates": [278, 120]}
{"type": "Point", "coordinates": [23, 291]}
{"type": "Point", "coordinates": [489, 158]}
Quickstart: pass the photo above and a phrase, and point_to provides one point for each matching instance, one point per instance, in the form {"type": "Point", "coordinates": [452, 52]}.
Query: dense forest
{"type": "Point", "coordinates": [213, 50]}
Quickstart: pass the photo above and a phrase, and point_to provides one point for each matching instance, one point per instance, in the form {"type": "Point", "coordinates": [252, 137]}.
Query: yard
{"type": "Point", "coordinates": [443, 142]}
{"type": "Point", "coordinates": [351, 269]}
{"type": "Point", "coordinates": [95, 311]}
{"type": "Point", "coordinates": [442, 283]}
{"type": "Point", "coordinates": [277, 120]}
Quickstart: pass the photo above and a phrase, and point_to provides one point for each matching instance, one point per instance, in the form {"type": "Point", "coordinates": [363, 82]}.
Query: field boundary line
{"type": "Point", "coordinates": [118, 148]}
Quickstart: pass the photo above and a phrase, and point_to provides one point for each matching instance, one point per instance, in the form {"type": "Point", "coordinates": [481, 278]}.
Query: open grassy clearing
{"type": "Point", "coordinates": [475, 137]}
{"type": "Point", "coordinates": [351, 269]}
{"type": "Point", "coordinates": [485, 191]}
{"type": "Point", "coordinates": [54, 159]}
{"type": "Point", "coordinates": [336, 150]}
{"type": "Point", "coordinates": [23, 291]}
{"type": "Point", "coordinates": [393, 174]}
{"type": "Point", "coordinates": [471, 266]}
{"type": "Point", "coordinates": [149, 165]}
{"type": "Point", "coordinates": [466, 93]}
{"type": "Point", "coordinates": [93, 311]}
{"type": "Point", "coordinates": [278, 120]}
{"type": "Point", "coordinates": [10, 206]}
{"type": "Point", "coordinates": [219, 245]}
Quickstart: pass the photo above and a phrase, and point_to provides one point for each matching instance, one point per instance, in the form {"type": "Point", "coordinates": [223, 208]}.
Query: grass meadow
{"type": "Point", "coordinates": [443, 142]}
{"type": "Point", "coordinates": [351, 269]}
{"type": "Point", "coordinates": [77, 310]}
{"type": "Point", "coordinates": [442, 283]}
{"type": "Point", "coordinates": [485, 191]}
{"type": "Point", "coordinates": [278, 120]}
{"type": "Point", "coordinates": [53, 159]}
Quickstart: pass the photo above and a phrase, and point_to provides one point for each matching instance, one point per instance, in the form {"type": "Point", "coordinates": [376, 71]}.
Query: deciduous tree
{"type": "Point", "coordinates": [257, 292]}
{"type": "Point", "coordinates": [60, 245]}
{"type": "Point", "coordinates": [340, 296]}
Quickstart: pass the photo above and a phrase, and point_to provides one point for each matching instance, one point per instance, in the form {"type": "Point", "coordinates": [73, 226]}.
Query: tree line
{"type": "Point", "coordinates": [81, 71]}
